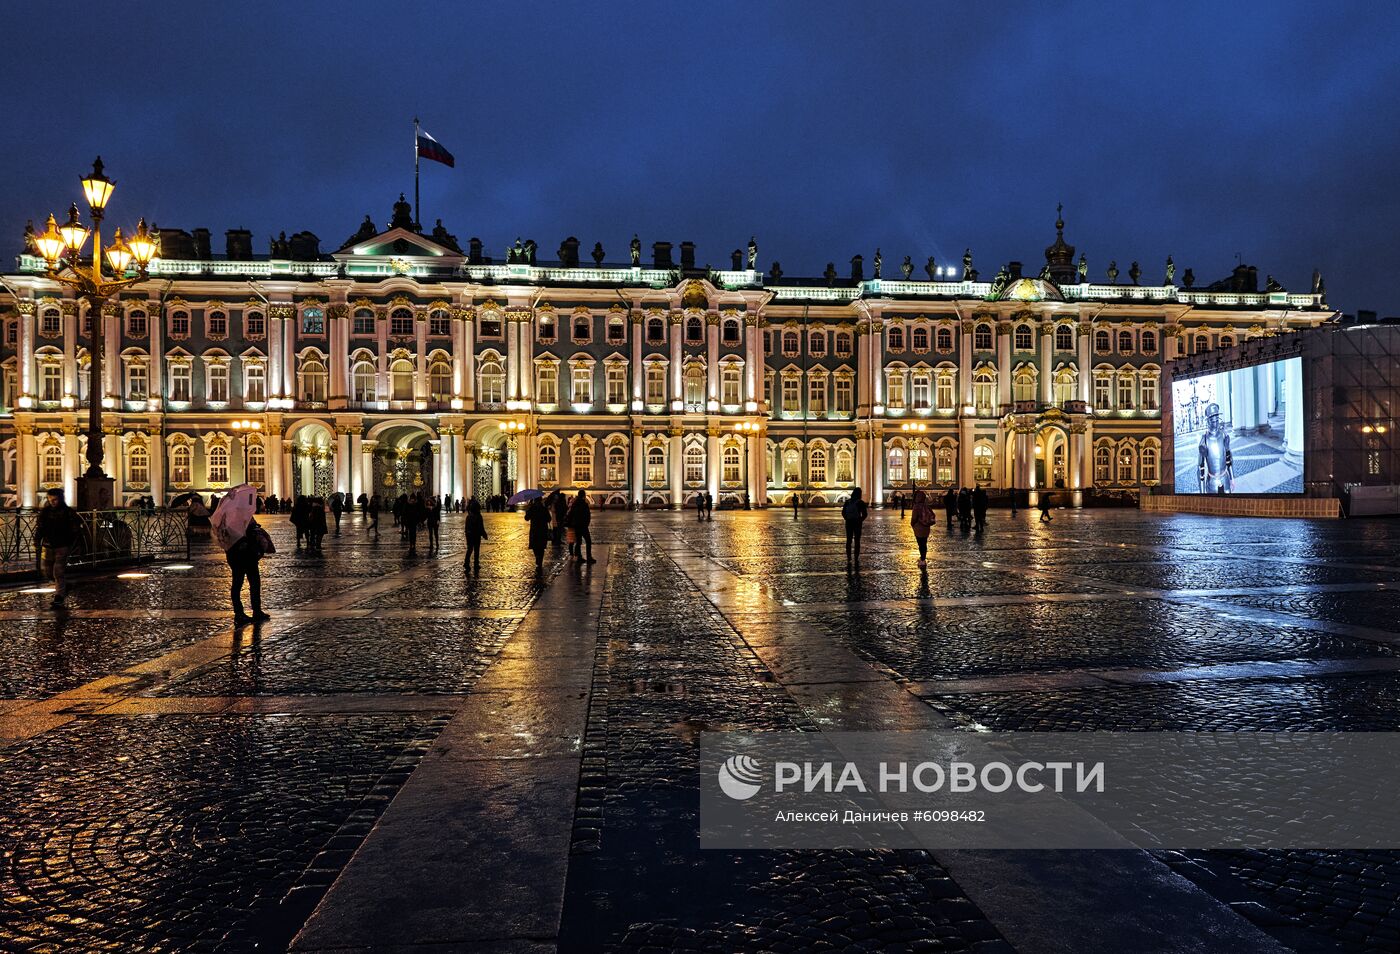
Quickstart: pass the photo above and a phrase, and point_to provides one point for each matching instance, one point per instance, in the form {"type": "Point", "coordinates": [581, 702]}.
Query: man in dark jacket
{"type": "Point", "coordinates": [950, 505]}
{"type": "Point", "coordinates": [853, 512]}
{"type": "Point", "coordinates": [537, 516]}
{"type": "Point", "coordinates": [560, 507]}
{"type": "Point", "coordinates": [580, 516]}
{"type": "Point", "coordinates": [55, 533]}
{"type": "Point", "coordinates": [337, 508]}
{"type": "Point", "coordinates": [979, 506]}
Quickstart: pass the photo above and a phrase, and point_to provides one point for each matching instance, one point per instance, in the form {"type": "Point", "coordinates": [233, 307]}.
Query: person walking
{"type": "Point", "coordinates": [243, 558]}
{"type": "Point", "coordinates": [853, 512]}
{"type": "Point", "coordinates": [950, 505]}
{"type": "Point", "coordinates": [560, 513]}
{"type": "Point", "coordinates": [922, 521]}
{"type": "Point", "coordinates": [373, 511]}
{"type": "Point", "coordinates": [965, 509]}
{"type": "Point", "coordinates": [699, 506]}
{"type": "Point", "coordinates": [400, 505]}
{"type": "Point", "coordinates": [412, 518]}
{"type": "Point", "coordinates": [316, 525]}
{"type": "Point", "coordinates": [301, 511]}
{"type": "Point", "coordinates": [55, 533]}
{"type": "Point", "coordinates": [580, 517]}
{"type": "Point", "coordinates": [796, 501]}
{"type": "Point", "coordinates": [899, 501]}
{"type": "Point", "coordinates": [476, 532]}
{"type": "Point", "coordinates": [537, 516]}
{"type": "Point", "coordinates": [1045, 508]}
{"type": "Point", "coordinates": [979, 507]}
{"type": "Point", "coordinates": [434, 520]}
{"type": "Point", "coordinates": [337, 508]}
{"type": "Point", "coordinates": [709, 506]}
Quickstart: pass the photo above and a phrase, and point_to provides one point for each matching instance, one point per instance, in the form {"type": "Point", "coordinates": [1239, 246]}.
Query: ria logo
{"type": "Point", "coordinates": [739, 777]}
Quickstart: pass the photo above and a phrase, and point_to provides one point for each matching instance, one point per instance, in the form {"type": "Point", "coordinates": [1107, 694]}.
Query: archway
{"type": "Point", "coordinates": [312, 459]}
{"type": "Point", "coordinates": [402, 459]}
{"type": "Point", "coordinates": [496, 462]}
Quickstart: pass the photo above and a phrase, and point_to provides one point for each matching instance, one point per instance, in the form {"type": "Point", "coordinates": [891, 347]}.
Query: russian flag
{"type": "Point", "coordinates": [430, 148]}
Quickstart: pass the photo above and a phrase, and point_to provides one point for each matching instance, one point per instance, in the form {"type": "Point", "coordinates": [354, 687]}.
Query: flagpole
{"type": "Point", "coordinates": [416, 221]}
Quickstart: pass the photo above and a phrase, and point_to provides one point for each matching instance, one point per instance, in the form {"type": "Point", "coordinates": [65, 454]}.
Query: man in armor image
{"type": "Point", "coordinates": [1215, 468]}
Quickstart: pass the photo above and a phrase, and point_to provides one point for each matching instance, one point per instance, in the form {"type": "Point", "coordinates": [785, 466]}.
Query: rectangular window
{"type": "Point", "coordinates": [218, 383]}
{"type": "Point", "coordinates": [1149, 394]}
{"type": "Point", "coordinates": [844, 404]}
{"type": "Point", "coordinates": [1125, 392]}
{"type": "Point", "coordinates": [894, 391]}
{"type": "Point", "coordinates": [617, 331]}
{"type": "Point", "coordinates": [180, 325]}
{"type": "Point", "coordinates": [313, 322]}
{"type": "Point", "coordinates": [401, 326]}
{"type": "Point", "coordinates": [1103, 398]}
{"type": "Point", "coordinates": [945, 392]}
{"type": "Point", "coordinates": [656, 385]}
{"type": "Point", "coordinates": [491, 328]}
{"type": "Point", "coordinates": [51, 383]}
{"type": "Point", "coordinates": [921, 392]}
{"type": "Point", "coordinates": [547, 385]}
{"type": "Point", "coordinates": [180, 382]}
{"type": "Point", "coordinates": [254, 384]}
{"type": "Point", "coordinates": [439, 325]}
{"type": "Point", "coordinates": [253, 325]}
{"type": "Point", "coordinates": [136, 324]}
{"type": "Point", "coordinates": [792, 397]}
{"type": "Point", "coordinates": [729, 387]}
{"type": "Point", "coordinates": [816, 395]}
{"type": "Point", "coordinates": [363, 323]}
{"type": "Point", "coordinates": [583, 385]}
{"type": "Point", "coordinates": [617, 384]}
{"type": "Point", "coordinates": [136, 382]}
{"type": "Point", "coordinates": [218, 324]}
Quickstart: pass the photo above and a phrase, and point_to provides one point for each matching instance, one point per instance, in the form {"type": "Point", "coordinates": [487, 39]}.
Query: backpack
{"type": "Point", "coordinates": [850, 510]}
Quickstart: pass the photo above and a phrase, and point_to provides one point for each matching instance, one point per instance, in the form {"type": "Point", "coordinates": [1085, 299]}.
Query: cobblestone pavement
{"type": "Point", "coordinates": [169, 784]}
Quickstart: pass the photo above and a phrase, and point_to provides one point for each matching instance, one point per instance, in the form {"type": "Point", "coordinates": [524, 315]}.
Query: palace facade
{"type": "Point", "coordinates": [400, 362]}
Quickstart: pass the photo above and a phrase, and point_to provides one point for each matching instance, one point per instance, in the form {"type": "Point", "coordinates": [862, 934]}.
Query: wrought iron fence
{"type": "Point", "coordinates": [107, 536]}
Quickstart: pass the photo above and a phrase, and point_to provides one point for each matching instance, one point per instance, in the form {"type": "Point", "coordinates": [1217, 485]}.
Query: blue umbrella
{"type": "Point", "coordinates": [524, 496]}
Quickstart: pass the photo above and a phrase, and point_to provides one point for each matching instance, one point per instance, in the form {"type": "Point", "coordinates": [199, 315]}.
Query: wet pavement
{"type": "Point", "coordinates": [409, 757]}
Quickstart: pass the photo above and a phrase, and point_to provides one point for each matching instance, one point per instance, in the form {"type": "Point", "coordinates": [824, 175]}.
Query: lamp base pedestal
{"type": "Point", "coordinates": [95, 493]}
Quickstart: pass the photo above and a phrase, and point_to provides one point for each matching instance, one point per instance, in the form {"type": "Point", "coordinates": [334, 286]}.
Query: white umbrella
{"type": "Point", "coordinates": [230, 522]}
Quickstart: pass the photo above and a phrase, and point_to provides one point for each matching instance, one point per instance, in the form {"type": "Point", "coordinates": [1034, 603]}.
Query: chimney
{"type": "Point", "coordinates": [687, 255]}
{"type": "Point", "coordinates": [1014, 269]}
{"type": "Point", "coordinates": [568, 252]}
{"type": "Point", "coordinates": [201, 244]}
{"type": "Point", "coordinates": [661, 255]}
{"type": "Point", "coordinates": [474, 251]}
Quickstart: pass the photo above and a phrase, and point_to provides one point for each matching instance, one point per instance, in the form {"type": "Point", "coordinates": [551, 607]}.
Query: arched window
{"type": "Point", "coordinates": [400, 323]}
{"type": "Point", "coordinates": [364, 382]}
{"type": "Point", "coordinates": [695, 386]}
{"type": "Point", "coordinates": [1149, 342]}
{"type": "Point", "coordinates": [656, 330]}
{"type": "Point", "coordinates": [896, 465]}
{"type": "Point", "coordinates": [313, 380]}
{"type": "Point", "coordinates": [918, 464]}
{"type": "Point", "coordinates": [656, 467]}
{"type": "Point", "coordinates": [583, 465]}
{"type": "Point", "coordinates": [982, 338]}
{"type": "Point", "coordinates": [816, 465]}
{"type": "Point", "coordinates": [544, 328]}
{"type": "Point", "coordinates": [136, 325]}
{"type": "Point", "coordinates": [1202, 343]}
{"type": "Point", "coordinates": [549, 464]}
{"type": "Point", "coordinates": [363, 322]}
{"type": "Point", "coordinates": [944, 338]}
{"type": "Point", "coordinates": [181, 464]}
{"type": "Point", "coordinates": [617, 466]}
{"type": "Point", "coordinates": [492, 385]}
{"type": "Point", "coordinates": [1023, 338]}
{"type": "Point", "coordinates": [944, 462]}
{"type": "Point", "coordinates": [792, 466]}
{"type": "Point", "coordinates": [816, 344]}
{"type": "Point", "coordinates": [253, 325]}
{"type": "Point", "coordinates": [920, 339]}
{"type": "Point", "coordinates": [1103, 342]}
{"type": "Point", "coordinates": [1064, 338]}
{"type": "Point", "coordinates": [791, 343]}
{"type": "Point", "coordinates": [257, 465]}
{"type": "Point", "coordinates": [1103, 464]}
{"type": "Point", "coordinates": [1023, 386]}
{"type": "Point", "coordinates": [440, 380]}
{"type": "Point", "coordinates": [547, 383]}
{"type": "Point", "coordinates": [730, 384]}
{"type": "Point", "coordinates": [845, 465]}
{"type": "Point", "coordinates": [730, 465]}
{"type": "Point", "coordinates": [894, 338]}
{"type": "Point", "coordinates": [583, 329]}
{"type": "Point", "coordinates": [401, 380]}
{"type": "Point", "coordinates": [1149, 463]}
{"type": "Point", "coordinates": [53, 466]}
{"type": "Point", "coordinates": [1125, 342]}
{"type": "Point", "coordinates": [694, 464]}
{"type": "Point", "coordinates": [983, 458]}
{"type": "Point", "coordinates": [1126, 465]}
{"type": "Point", "coordinates": [217, 322]}
{"type": "Point", "coordinates": [694, 330]}
{"type": "Point", "coordinates": [843, 344]}
{"type": "Point", "coordinates": [729, 332]}
{"type": "Point", "coordinates": [138, 464]}
{"type": "Point", "coordinates": [617, 330]}
{"type": "Point", "coordinates": [1227, 341]}
{"type": "Point", "coordinates": [218, 464]}
{"type": "Point", "coordinates": [984, 391]}
{"type": "Point", "coordinates": [1066, 383]}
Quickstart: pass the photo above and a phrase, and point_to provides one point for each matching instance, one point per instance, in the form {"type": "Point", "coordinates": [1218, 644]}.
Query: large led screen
{"type": "Point", "coordinates": [1241, 431]}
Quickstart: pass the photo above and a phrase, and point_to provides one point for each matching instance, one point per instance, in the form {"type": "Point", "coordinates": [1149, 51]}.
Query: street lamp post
{"type": "Point", "coordinates": [513, 430]}
{"type": "Point", "coordinates": [62, 249]}
{"type": "Point", "coordinates": [746, 430]}
{"type": "Point", "coordinates": [243, 426]}
{"type": "Point", "coordinates": [917, 429]}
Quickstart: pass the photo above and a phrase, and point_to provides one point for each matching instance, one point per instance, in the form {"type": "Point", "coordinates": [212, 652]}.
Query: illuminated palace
{"type": "Point", "coordinates": [403, 362]}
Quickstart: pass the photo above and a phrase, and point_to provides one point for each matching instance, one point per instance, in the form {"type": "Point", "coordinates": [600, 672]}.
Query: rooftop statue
{"type": "Point", "coordinates": [598, 254]}
{"type": "Point", "coordinates": [1188, 278]}
{"type": "Point", "coordinates": [830, 273]}
{"type": "Point", "coordinates": [1003, 276]}
{"type": "Point", "coordinates": [1045, 273]}
{"type": "Point", "coordinates": [776, 272]}
{"type": "Point", "coordinates": [736, 260]}
{"type": "Point", "coordinates": [1134, 272]}
{"type": "Point", "coordinates": [1316, 280]}
{"type": "Point", "coordinates": [1272, 284]}
{"type": "Point", "coordinates": [907, 267]}
{"type": "Point", "coordinates": [753, 254]}
{"type": "Point", "coordinates": [29, 236]}
{"type": "Point", "coordinates": [1083, 268]}
{"type": "Point", "coordinates": [444, 237]}
{"type": "Point", "coordinates": [1171, 271]}
{"type": "Point", "coordinates": [530, 248]}
{"type": "Point", "coordinates": [931, 268]}
{"type": "Point", "coordinates": [879, 264]}
{"type": "Point", "coordinates": [968, 274]}
{"type": "Point", "coordinates": [636, 249]}
{"type": "Point", "coordinates": [1113, 273]}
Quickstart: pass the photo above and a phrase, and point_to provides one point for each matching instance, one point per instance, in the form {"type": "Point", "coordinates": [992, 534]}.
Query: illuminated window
{"type": "Point", "coordinates": [920, 389]}
{"type": "Point", "coordinates": [254, 382]}
{"type": "Point", "coordinates": [730, 385]}
{"type": "Point", "coordinates": [792, 398]}
{"type": "Point", "coordinates": [547, 383]}
{"type": "Point", "coordinates": [400, 380]}
{"type": "Point", "coordinates": [583, 385]}
{"type": "Point", "coordinates": [492, 382]}
{"type": "Point", "coordinates": [1064, 338]}
{"type": "Point", "coordinates": [1023, 339]}
{"type": "Point", "coordinates": [984, 391]}
{"type": "Point", "coordinates": [549, 464]}
{"type": "Point", "coordinates": [656, 384]}
{"type": "Point", "coordinates": [217, 386]}
{"type": "Point", "coordinates": [583, 465]}
{"type": "Point", "coordinates": [218, 464]}
{"type": "Point", "coordinates": [617, 466]}
{"type": "Point", "coordinates": [982, 459]}
{"type": "Point", "coordinates": [257, 465]}
{"type": "Point", "coordinates": [894, 389]}
{"type": "Point", "coordinates": [617, 384]}
{"type": "Point", "coordinates": [918, 464]}
{"type": "Point", "coordinates": [816, 465]}
{"type": "Point", "coordinates": [440, 381]}
{"type": "Point", "coordinates": [138, 464]}
{"type": "Point", "coordinates": [845, 465]}
{"type": "Point", "coordinates": [1125, 391]}
{"type": "Point", "coordinates": [1149, 463]}
{"type": "Point", "coordinates": [1023, 386]}
{"type": "Point", "coordinates": [982, 338]}
{"type": "Point", "coordinates": [1126, 467]}
{"type": "Point", "coordinates": [401, 323]}
{"type": "Point", "coordinates": [945, 392]}
{"type": "Point", "coordinates": [50, 382]}
{"type": "Point", "coordinates": [896, 465]}
{"type": "Point", "coordinates": [180, 464]}
{"type": "Point", "coordinates": [1103, 465]}
{"type": "Point", "coordinates": [792, 466]}
{"type": "Point", "coordinates": [656, 467]}
{"type": "Point", "coordinates": [179, 381]}
{"type": "Point", "coordinates": [313, 380]}
{"type": "Point", "coordinates": [53, 466]}
{"type": "Point", "coordinates": [844, 392]}
{"type": "Point", "coordinates": [816, 394]}
{"type": "Point", "coordinates": [695, 387]}
{"type": "Point", "coordinates": [944, 461]}
{"type": "Point", "coordinates": [694, 464]}
{"type": "Point", "coordinates": [136, 381]}
{"type": "Point", "coordinates": [730, 465]}
{"type": "Point", "coordinates": [364, 382]}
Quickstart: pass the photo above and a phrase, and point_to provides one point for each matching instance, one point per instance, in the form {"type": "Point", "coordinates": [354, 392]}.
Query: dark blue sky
{"type": "Point", "coordinates": [825, 128]}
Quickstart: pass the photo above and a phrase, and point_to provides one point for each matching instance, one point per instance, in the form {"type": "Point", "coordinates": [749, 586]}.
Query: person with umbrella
{"type": "Point", "coordinates": [236, 530]}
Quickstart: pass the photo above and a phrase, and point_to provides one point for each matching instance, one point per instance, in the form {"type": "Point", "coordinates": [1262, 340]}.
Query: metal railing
{"type": "Point", "coordinates": [108, 536]}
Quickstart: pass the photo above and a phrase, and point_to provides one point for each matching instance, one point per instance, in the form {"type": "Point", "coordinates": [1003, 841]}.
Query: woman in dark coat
{"type": "Point", "coordinates": [580, 516]}
{"type": "Point", "coordinates": [316, 524]}
{"type": "Point", "coordinates": [301, 514]}
{"type": "Point", "coordinates": [537, 516]}
{"type": "Point", "coordinates": [476, 532]}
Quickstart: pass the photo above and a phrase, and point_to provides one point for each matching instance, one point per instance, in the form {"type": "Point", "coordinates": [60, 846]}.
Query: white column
{"type": "Point", "coordinates": [1291, 403]}
{"type": "Point", "coordinates": [28, 379]}
{"type": "Point", "coordinates": [155, 386]}
{"type": "Point", "coordinates": [638, 466]}
{"type": "Point", "coordinates": [357, 483]}
{"type": "Point", "coordinates": [71, 317]}
{"type": "Point", "coordinates": [289, 487]}
{"type": "Point", "coordinates": [112, 366]}
{"type": "Point", "coordinates": [342, 459]}
{"type": "Point", "coordinates": [877, 445]}
{"type": "Point", "coordinates": [675, 465]}
{"type": "Point", "coordinates": [157, 450]}
{"type": "Point", "coordinates": [638, 370]}
{"type": "Point", "coordinates": [28, 464]}
{"type": "Point", "coordinates": [72, 461]}
{"type": "Point", "coordinates": [1084, 334]}
{"type": "Point", "coordinates": [1003, 364]}
{"type": "Point", "coordinates": [420, 379]}
{"type": "Point", "coordinates": [462, 464]}
{"type": "Point", "coordinates": [512, 358]}
{"type": "Point", "coordinates": [115, 464]}
{"type": "Point", "coordinates": [965, 331]}
{"type": "Point", "coordinates": [1086, 476]}
{"type": "Point", "coordinates": [1076, 465]}
{"type": "Point", "coordinates": [381, 369]}
{"type": "Point", "coordinates": [1047, 370]}
{"type": "Point", "coordinates": [338, 336]}
{"type": "Point", "coordinates": [712, 459]}
{"type": "Point", "coordinates": [366, 464]}
{"type": "Point", "coordinates": [676, 368]}
{"type": "Point", "coordinates": [966, 443]}
{"type": "Point", "coordinates": [865, 371]}
{"type": "Point", "coordinates": [289, 352]}
{"type": "Point", "coordinates": [753, 361]}
{"type": "Point", "coordinates": [757, 469]}
{"type": "Point", "coordinates": [712, 366]}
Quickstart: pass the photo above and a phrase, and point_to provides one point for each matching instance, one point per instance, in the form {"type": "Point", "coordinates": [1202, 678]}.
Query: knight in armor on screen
{"type": "Point", "coordinates": [1215, 467]}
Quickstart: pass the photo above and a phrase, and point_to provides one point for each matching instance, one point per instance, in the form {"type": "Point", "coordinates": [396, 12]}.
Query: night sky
{"type": "Point", "coordinates": [826, 129]}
